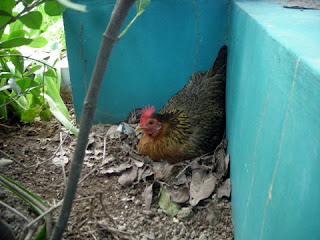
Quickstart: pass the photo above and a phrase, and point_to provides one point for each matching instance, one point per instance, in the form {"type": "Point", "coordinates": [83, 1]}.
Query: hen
{"type": "Point", "coordinates": [192, 122]}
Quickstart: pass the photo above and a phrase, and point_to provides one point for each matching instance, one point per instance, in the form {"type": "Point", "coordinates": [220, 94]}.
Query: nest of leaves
{"type": "Point", "coordinates": [178, 189]}
{"type": "Point", "coordinates": [122, 194]}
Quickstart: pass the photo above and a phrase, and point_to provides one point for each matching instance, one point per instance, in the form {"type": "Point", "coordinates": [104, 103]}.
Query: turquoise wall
{"type": "Point", "coordinates": [164, 47]}
{"type": "Point", "coordinates": [273, 121]}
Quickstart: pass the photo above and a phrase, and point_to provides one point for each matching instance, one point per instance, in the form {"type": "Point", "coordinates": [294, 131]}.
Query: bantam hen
{"type": "Point", "coordinates": [192, 122]}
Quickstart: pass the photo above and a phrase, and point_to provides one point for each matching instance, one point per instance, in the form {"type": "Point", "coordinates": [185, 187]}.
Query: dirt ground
{"type": "Point", "coordinates": [122, 195]}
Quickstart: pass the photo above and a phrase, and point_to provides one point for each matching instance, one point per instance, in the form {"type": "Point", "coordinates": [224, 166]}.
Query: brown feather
{"type": "Point", "coordinates": [193, 119]}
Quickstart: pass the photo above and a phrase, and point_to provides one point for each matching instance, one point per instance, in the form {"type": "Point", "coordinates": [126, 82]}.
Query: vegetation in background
{"type": "Point", "coordinates": [31, 44]}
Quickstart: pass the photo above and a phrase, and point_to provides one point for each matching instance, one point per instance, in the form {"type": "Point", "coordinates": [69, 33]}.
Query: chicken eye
{"type": "Point", "coordinates": [151, 122]}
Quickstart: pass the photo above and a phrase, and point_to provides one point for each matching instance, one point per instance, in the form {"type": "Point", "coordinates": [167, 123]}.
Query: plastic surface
{"type": "Point", "coordinates": [273, 121]}
{"type": "Point", "coordinates": [165, 46]}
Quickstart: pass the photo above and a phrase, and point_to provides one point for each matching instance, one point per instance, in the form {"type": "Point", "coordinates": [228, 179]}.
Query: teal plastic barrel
{"type": "Point", "coordinates": [273, 121]}
{"type": "Point", "coordinates": [156, 57]}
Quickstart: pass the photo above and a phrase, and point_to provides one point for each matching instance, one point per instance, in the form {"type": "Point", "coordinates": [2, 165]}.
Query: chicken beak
{"type": "Point", "coordinates": [139, 128]}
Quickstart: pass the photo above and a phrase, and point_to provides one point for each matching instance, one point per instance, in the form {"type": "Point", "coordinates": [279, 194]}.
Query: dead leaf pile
{"type": "Point", "coordinates": [173, 187]}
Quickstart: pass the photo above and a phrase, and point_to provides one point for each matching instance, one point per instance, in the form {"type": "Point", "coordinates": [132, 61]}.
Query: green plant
{"type": "Point", "coordinates": [29, 81]}
{"type": "Point", "coordinates": [33, 200]}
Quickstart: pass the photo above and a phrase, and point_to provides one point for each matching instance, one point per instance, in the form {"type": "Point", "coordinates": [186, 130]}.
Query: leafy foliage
{"type": "Point", "coordinates": [31, 42]}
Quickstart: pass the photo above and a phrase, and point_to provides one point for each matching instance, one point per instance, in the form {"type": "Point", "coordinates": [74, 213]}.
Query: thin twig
{"type": "Point", "coordinates": [20, 55]}
{"type": "Point", "coordinates": [49, 210]}
{"type": "Point", "coordinates": [15, 211]}
{"type": "Point", "coordinates": [14, 98]}
{"type": "Point", "coordinates": [25, 10]}
{"type": "Point", "coordinates": [62, 162]}
{"type": "Point", "coordinates": [116, 21]}
{"type": "Point", "coordinates": [103, 209]}
{"type": "Point", "coordinates": [98, 166]}
{"type": "Point", "coordinates": [37, 164]}
{"type": "Point", "coordinates": [6, 126]}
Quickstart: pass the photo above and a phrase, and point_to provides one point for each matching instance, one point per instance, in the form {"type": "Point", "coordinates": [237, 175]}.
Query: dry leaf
{"type": "Point", "coordinates": [226, 162]}
{"type": "Point", "coordinates": [179, 195]}
{"type": "Point", "coordinates": [122, 167]}
{"type": "Point", "coordinates": [4, 162]}
{"type": "Point", "coordinates": [137, 163]}
{"type": "Point", "coordinates": [147, 196]}
{"type": "Point", "coordinates": [181, 180]}
{"type": "Point", "coordinates": [128, 176]}
{"type": "Point", "coordinates": [162, 170]}
{"type": "Point", "coordinates": [113, 132]}
{"type": "Point", "coordinates": [108, 159]}
{"type": "Point", "coordinates": [225, 189]}
{"type": "Point", "coordinates": [201, 187]}
{"type": "Point", "coordinates": [220, 162]}
{"type": "Point", "coordinates": [147, 173]}
{"type": "Point", "coordinates": [62, 160]}
{"type": "Point", "coordinates": [125, 128]}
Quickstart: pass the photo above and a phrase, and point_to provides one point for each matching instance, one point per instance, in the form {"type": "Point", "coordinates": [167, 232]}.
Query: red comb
{"type": "Point", "coordinates": [146, 113]}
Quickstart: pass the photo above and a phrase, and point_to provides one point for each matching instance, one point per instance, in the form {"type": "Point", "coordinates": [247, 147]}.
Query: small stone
{"type": "Point", "coordinates": [185, 213]}
{"type": "Point", "coordinates": [193, 234]}
{"type": "Point", "coordinates": [148, 213]}
{"type": "Point", "coordinates": [122, 228]}
{"type": "Point", "coordinates": [203, 236]}
{"type": "Point", "coordinates": [138, 202]}
{"type": "Point", "coordinates": [151, 236]}
{"type": "Point", "coordinates": [183, 231]}
{"type": "Point", "coordinates": [175, 220]}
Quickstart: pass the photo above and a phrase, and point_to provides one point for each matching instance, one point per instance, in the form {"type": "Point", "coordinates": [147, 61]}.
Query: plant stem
{"type": "Point", "coordinates": [33, 59]}
{"type": "Point", "coordinates": [118, 16]}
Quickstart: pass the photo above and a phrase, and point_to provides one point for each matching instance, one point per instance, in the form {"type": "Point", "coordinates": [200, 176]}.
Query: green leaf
{"type": "Point", "coordinates": [55, 110]}
{"type": "Point", "coordinates": [27, 192]}
{"type": "Point", "coordinates": [32, 70]}
{"type": "Point", "coordinates": [30, 114]}
{"type": "Point", "coordinates": [32, 19]}
{"type": "Point", "coordinates": [17, 33]}
{"type": "Point", "coordinates": [1, 33]}
{"type": "Point", "coordinates": [6, 75]}
{"type": "Point", "coordinates": [53, 8]}
{"type": "Point", "coordinates": [50, 73]}
{"type": "Point", "coordinates": [24, 83]}
{"type": "Point", "coordinates": [15, 26]}
{"type": "Point", "coordinates": [18, 62]}
{"type": "Point", "coordinates": [3, 109]}
{"type": "Point", "coordinates": [5, 14]}
{"type": "Point", "coordinates": [42, 234]}
{"type": "Point", "coordinates": [168, 207]}
{"type": "Point", "coordinates": [6, 7]}
{"type": "Point", "coordinates": [54, 92]}
{"type": "Point", "coordinates": [142, 4]}
{"type": "Point", "coordinates": [38, 42]}
{"type": "Point", "coordinates": [15, 42]}
{"type": "Point", "coordinates": [45, 114]}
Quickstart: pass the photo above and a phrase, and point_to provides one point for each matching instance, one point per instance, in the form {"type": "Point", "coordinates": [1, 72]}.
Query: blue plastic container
{"type": "Point", "coordinates": [164, 47]}
{"type": "Point", "coordinates": [273, 121]}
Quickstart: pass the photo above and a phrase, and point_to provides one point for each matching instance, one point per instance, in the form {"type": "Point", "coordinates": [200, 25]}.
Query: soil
{"type": "Point", "coordinates": [110, 202]}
